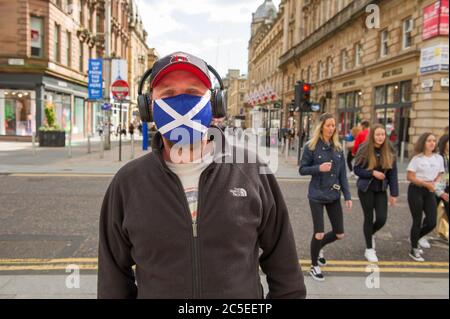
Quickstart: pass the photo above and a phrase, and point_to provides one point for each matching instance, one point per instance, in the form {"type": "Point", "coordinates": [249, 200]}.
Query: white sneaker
{"type": "Point", "coordinates": [316, 273]}
{"type": "Point", "coordinates": [416, 255]}
{"type": "Point", "coordinates": [371, 255]}
{"type": "Point", "coordinates": [424, 243]}
{"type": "Point", "coordinates": [419, 249]}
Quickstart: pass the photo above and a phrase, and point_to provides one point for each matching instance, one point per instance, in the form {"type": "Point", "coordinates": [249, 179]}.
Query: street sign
{"type": "Point", "coordinates": [106, 106]}
{"type": "Point", "coordinates": [95, 79]}
{"type": "Point", "coordinates": [120, 89]}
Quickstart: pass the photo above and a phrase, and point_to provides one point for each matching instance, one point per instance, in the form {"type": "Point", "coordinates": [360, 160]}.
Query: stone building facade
{"type": "Point", "coordinates": [360, 68]}
{"type": "Point", "coordinates": [236, 85]}
{"type": "Point", "coordinates": [46, 46]}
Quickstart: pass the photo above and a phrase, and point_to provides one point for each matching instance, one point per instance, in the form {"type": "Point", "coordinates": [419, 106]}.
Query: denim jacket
{"type": "Point", "coordinates": [321, 186]}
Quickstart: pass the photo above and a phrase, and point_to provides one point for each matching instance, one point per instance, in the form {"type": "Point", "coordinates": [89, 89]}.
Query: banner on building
{"type": "Point", "coordinates": [95, 79]}
{"type": "Point", "coordinates": [433, 59]}
{"type": "Point", "coordinates": [435, 20]}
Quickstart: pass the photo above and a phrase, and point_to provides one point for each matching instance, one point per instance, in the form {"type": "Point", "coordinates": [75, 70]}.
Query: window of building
{"type": "Point", "coordinates": [329, 67]}
{"type": "Point", "coordinates": [407, 33]}
{"type": "Point", "coordinates": [37, 36]}
{"type": "Point", "coordinates": [57, 43]}
{"type": "Point", "coordinates": [358, 54]}
{"type": "Point", "coordinates": [82, 12]}
{"type": "Point", "coordinates": [68, 48]}
{"type": "Point", "coordinates": [384, 46]}
{"type": "Point", "coordinates": [344, 60]}
{"type": "Point", "coordinates": [78, 116]}
{"type": "Point", "coordinates": [320, 70]}
{"type": "Point", "coordinates": [81, 61]}
{"type": "Point", "coordinates": [99, 26]}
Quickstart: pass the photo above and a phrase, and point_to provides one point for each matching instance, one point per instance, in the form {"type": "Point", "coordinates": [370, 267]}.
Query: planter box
{"type": "Point", "coordinates": [52, 139]}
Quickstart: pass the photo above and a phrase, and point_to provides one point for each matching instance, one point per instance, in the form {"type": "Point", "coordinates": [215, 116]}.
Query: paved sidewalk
{"type": "Point", "coordinates": [335, 287]}
{"type": "Point", "coordinates": [18, 158]}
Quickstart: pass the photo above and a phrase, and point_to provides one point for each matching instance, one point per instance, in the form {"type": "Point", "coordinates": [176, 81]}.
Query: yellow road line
{"type": "Point", "coordinates": [59, 175]}
{"type": "Point", "coordinates": [45, 267]}
{"type": "Point", "coordinates": [18, 261]}
{"type": "Point", "coordinates": [387, 270]}
{"type": "Point", "coordinates": [48, 261]}
{"type": "Point", "coordinates": [381, 263]}
{"type": "Point", "coordinates": [328, 269]}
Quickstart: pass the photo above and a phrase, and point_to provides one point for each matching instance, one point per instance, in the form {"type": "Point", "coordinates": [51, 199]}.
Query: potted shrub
{"type": "Point", "coordinates": [51, 135]}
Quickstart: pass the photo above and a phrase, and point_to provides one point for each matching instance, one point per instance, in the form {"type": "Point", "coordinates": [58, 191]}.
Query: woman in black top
{"type": "Point", "coordinates": [376, 168]}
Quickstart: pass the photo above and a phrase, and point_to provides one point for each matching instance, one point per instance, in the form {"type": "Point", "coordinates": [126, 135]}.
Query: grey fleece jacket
{"type": "Point", "coordinates": [145, 222]}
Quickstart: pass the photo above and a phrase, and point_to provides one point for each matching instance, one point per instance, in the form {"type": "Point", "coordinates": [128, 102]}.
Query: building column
{"type": "Point", "coordinates": [286, 28]}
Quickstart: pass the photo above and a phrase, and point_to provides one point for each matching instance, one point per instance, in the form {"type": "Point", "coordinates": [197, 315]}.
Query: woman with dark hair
{"type": "Point", "coordinates": [376, 168]}
{"type": "Point", "coordinates": [424, 173]}
{"type": "Point", "coordinates": [324, 160]}
{"type": "Point", "coordinates": [442, 192]}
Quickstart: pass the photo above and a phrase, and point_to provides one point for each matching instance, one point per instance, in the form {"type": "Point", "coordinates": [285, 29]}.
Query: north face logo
{"type": "Point", "coordinates": [238, 192]}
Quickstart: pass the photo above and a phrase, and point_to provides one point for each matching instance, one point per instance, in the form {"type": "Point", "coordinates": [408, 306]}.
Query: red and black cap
{"type": "Point", "coordinates": [180, 61]}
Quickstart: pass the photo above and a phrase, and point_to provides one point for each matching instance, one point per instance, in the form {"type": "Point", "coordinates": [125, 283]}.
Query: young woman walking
{"type": "Point", "coordinates": [324, 160]}
{"type": "Point", "coordinates": [376, 168]}
{"type": "Point", "coordinates": [424, 173]}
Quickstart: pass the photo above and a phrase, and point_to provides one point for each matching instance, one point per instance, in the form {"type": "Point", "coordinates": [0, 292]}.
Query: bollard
{"type": "Point", "coordinates": [286, 149]}
{"type": "Point", "coordinates": [70, 145]}
{"type": "Point", "coordinates": [132, 146]}
{"type": "Point", "coordinates": [33, 141]}
{"type": "Point", "coordinates": [402, 152]}
{"type": "Point", "coordinates": [102, 146]}
{"type": "Point", "coordinates": [89, 143]}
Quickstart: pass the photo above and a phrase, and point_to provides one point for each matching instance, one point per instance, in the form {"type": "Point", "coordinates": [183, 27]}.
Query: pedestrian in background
{"type": "Point", "coordinates": [324, 160]}
{"type": "Point", "coordinates": [131, 129]}
{"type": "Point", "coordinates": [350, 142]}
{"type": "Point", "coordinates": [442, 192]}
{"type": "Point", "coordinates": [424, 171]}
{"type": "Point", "coordinates": [376, 167]}
{"type": "Point", "coordinates": [362, 136]}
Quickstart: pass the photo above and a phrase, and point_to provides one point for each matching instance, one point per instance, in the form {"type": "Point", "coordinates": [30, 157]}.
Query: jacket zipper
{"type": "Point", "coordinates": [196, 260]}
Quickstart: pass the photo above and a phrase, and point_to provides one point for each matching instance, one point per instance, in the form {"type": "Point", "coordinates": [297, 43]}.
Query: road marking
{"type": "Point", "coordinates": [355, 266]}
{"type": "Point", "coordinates": [60, 175]}
{"type": "Point", "coordinates": [381, 263]}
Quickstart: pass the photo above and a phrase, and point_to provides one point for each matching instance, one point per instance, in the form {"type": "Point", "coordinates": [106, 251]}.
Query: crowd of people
{"type": "Point", "coordinates": [372, 160]}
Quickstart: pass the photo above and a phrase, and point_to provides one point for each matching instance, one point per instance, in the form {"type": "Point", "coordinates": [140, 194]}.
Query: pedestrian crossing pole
{"type": "Point", "coordinates": [120, 131]}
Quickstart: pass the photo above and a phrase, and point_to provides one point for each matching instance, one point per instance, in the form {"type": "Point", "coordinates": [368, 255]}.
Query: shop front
{"type": "Point", "coordinates": [349, 112]}
{"type": "Point", "coordinates": [392, 109]}
{"type": "Point", "coordinates": [23, 98]}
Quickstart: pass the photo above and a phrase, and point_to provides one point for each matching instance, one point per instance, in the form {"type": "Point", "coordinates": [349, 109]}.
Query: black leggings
{"type": "Point", "coordinates": [421, 200]}
{"type": "Point", "coordinates": [350, 158]}
{"type": "Point", "coordinates": [371, 201]}
{"type": "Point", "coordinates": [334, 211]}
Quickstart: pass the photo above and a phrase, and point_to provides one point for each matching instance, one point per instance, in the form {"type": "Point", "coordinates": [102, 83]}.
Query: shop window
{"type": "Point", "coordinates": [78, 125]}
{"type": "Point", "coordinates": [380, 95]}
{"type": "Point", "coordinates": [406, 88]}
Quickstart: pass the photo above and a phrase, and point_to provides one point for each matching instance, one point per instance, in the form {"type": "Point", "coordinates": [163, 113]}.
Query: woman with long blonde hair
{"type": "Point", "coordinates": [376, 168]}
{"type": "Point", "coordinates": [324, 160]}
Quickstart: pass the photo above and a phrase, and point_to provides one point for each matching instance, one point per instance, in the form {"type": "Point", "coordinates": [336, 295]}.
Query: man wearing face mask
{"type": "Point", "coordinates": [188, 218]}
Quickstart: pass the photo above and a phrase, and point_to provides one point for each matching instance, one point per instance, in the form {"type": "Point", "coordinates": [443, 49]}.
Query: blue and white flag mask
{"type": "Point", "coordinates": [184, 118]}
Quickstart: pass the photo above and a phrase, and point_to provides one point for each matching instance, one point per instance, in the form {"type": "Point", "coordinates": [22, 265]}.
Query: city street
{"type": "Point", "coordinates": [50, 221]}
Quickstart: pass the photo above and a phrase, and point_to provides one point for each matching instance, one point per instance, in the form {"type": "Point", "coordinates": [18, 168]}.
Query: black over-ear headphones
{"type": "Point", "coordinates": [218, 98]}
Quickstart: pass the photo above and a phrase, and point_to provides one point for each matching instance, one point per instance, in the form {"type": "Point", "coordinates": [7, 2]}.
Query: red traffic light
{"type": "Point", "coordinates": [306, 88]}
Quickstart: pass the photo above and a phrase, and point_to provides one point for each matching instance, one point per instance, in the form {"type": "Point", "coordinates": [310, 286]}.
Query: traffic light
{"type": "Point", "coordinates": [303, 96]}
